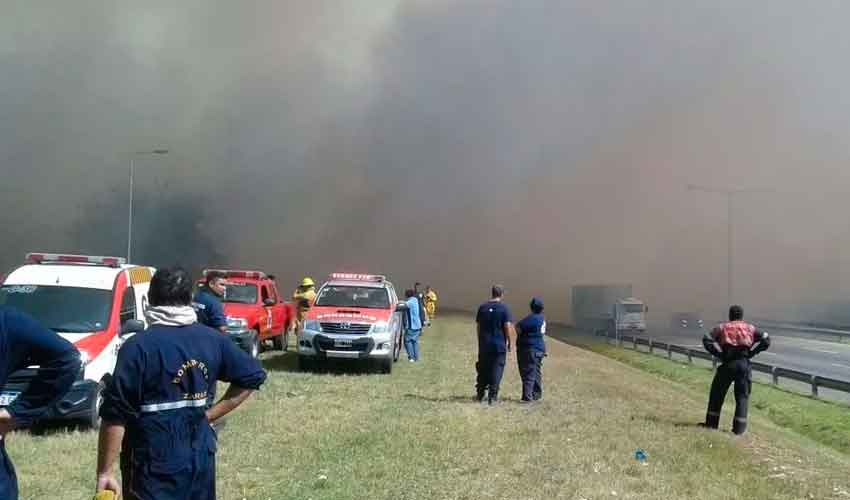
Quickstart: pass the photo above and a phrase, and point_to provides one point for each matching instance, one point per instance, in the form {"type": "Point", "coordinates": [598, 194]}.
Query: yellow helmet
{"type": "Point", "coordinates": [308, 281]}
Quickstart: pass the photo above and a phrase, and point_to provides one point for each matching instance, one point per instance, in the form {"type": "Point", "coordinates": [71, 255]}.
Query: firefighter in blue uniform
{"type": "Point", "coordinates": [530, 351]}
{"type": "Point", "coordinates": [23, 343]}
{"type": "Point", "coordinates": [154, 408]}
{"type": "Point", "coordinates": [734, 343]}
{"type": "Point", "coordinates": [207, 302]}
{"type": "Point", "coordinates": [494, 325]}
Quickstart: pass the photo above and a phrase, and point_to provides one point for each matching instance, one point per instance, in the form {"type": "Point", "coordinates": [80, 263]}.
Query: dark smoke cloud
{"type": "Point", "coordinates": [538, 143]}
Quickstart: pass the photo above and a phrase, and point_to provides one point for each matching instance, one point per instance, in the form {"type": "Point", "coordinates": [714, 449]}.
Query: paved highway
{"type": "Point", "coordinates": [827, 359]}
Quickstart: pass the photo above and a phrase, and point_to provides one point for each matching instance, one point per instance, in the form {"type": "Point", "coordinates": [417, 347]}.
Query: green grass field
{"type": "Point", "coordinates": [416, 434]}
{"type": "Point", "coordinates": [823, 421]}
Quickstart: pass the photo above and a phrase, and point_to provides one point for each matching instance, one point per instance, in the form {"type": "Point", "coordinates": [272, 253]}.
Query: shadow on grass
{"type": "Point", "coordinates": [288, 362]}
{"type": "Point", "coordinates": [457, 399]}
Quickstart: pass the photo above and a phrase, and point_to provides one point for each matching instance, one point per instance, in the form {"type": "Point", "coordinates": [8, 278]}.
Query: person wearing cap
{"type": "Point", "coordinates": [24, 342]}
{"type": "Point", "coordinates": [304, 296]}
{"type": "Point", "coordinates": [494, 326]}
{"type": "Point", "coordinates": [735, 343]}
{"type": "Point", "coordinates": [207, 302]}
{"type": "Point", "coordinates": [154, 406]}
{"type": "Point", "coordinates": [530, 351]}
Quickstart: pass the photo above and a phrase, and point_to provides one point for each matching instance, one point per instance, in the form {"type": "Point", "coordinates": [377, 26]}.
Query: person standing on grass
{"type": "Point", "coordinates": [530, 351]}
{"type": "Point", "coordinates": [414, 326]}
{"type": "Point", "coordinates": [420, 296]}
{"type": "Point", "coordinates": [154, 406]}
{"type": "Point", "coordinates": [24, 342]}
{"type": "Point", "coordinates": [494, 325]}
{"type": "Point", "coordinates": [734, 343]}
{"type": "Point", "coordinates": [208, 304]}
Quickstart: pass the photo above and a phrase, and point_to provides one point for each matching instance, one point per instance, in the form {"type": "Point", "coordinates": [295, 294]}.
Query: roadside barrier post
{"type": "Point", "coordinates": [669, 351]}
{"type": "Point", "coordinates": [814, 386]}
{"type": "Point", "coordinates": [690, 357]}
{"type": "Point", "coordinates": [650, 346]}
{"type": "Point", "coordinates": [775, 376]}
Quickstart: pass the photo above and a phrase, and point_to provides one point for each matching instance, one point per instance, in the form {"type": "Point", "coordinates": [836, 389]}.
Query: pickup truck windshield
{"type": "Point", "coordinates": [633, 308]}
{"type": "Point", "coordinates": [240, 293]}
{"type": "Point", "coordinates": [61, 308]}
{"type": "Point", "coordinates": [353, 296]}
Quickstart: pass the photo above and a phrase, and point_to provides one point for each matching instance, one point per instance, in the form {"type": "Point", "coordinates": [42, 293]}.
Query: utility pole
{"type": "Point", "coordinates": [730, 194]}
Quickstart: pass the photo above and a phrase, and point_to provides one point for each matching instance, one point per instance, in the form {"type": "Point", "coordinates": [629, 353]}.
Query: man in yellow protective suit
{"type": "Point", "coordinates": [304, 296]}
{"type": "Point", "coordinates": [430, 300]}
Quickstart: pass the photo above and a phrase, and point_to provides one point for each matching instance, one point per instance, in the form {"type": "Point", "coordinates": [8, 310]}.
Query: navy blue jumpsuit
{"type": "Point", "coordinates": [159, 392]}
{"type": "Point", "coordinates": [492, 348]}
{"type": "Point", "coordinates": [531, 349]}
{"type": "Point", "coordinates": [23, 343]}
{"type": "Point", "coordinates": [209, 309]}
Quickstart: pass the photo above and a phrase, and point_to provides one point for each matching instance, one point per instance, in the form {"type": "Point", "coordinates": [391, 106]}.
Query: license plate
{"type": "Point", "coordinates": [7, 398]}
{"type": "Point", "coordinates": [343, 354]}
{"type": "Point", "coordinates": [342, 343]}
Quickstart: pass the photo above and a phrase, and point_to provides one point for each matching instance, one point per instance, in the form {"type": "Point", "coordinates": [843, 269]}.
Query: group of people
{"type": "Point", "coordinates": [495, 329]}
{"type": "Point", "coordinates": [157, 413]}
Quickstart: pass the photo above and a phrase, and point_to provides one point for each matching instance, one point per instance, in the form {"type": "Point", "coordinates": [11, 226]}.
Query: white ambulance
{"type": "Point", "coordinates": [94, 302]}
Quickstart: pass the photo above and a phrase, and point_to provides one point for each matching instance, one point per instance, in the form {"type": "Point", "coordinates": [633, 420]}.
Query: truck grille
{"type": "Point", "coordinates": [357, 345]}
{"type": "Point", "coordinates": [346, 328]}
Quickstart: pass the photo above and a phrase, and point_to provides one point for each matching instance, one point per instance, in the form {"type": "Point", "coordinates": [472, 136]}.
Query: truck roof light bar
{"type": "Point", "coordinates": [377, 278]}
{"type": "Point", "coordinates": [55, 258]}
{"type": "Point", "coordinates": [237, 273]}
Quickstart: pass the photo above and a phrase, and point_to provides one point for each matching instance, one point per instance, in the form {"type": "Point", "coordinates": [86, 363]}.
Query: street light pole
{"type": "Point", "coordinates": [729, 193]}
{"type": "Point", "coordinates": [131, 189]}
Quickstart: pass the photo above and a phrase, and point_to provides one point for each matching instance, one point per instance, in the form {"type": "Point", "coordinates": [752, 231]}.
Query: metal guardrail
{"type": "Point", "coordinates": [776, 372]}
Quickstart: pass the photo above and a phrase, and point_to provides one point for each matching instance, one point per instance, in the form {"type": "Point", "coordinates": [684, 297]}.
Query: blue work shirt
{"type": "Point", "coordinates": [491, 318]}
{"type": "Point", "coordinates": [210, 309]}
{"type": "Point", "coordinates": [158, 391]}
{"type": "Point", "coordinates": [415, 314]}
{"type": "Point", "coordinates": [24, 342]}
{"type": "Point", "coordinates": [530, 333]}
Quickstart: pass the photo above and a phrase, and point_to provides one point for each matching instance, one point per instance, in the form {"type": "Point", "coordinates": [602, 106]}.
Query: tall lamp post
{"type": "Point", "coordinates": [130, 211]}
{"type": "Point", "coordinates": [730, 194]}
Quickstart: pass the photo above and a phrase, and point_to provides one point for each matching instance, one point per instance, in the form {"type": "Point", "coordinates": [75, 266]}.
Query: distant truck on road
{"type": "Point", "coordinates": [609, 308]}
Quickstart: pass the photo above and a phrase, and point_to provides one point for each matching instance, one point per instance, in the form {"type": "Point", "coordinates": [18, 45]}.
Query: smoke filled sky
{"type": "Point", "coordinates": [537, 143]}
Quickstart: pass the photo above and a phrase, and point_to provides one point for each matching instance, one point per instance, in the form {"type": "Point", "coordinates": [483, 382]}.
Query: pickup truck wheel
{"type": "Point", "coordinates": [279, 341]}
{"type": "Point", "coordinates": [254, 345]}
{"type": "Point", "coordinates": [93, 418]}
{"type": "Point", "coordinates": [386, 366]}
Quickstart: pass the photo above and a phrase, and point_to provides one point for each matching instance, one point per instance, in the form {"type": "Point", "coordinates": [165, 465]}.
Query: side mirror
{"type": "Point", "coordinates": [132, 326]}
{"type": "Point", "coordinates": [401, 307]}
{"type": "Point", "coordinates": [269, 302]}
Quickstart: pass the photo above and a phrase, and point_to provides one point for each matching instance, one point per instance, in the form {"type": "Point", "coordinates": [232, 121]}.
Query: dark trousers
{"type": "Point", "coordinates": [530, 363]}
{"type": "Point", "coordinates": [192, 479]}
{"type": "Point", "coordinates": [490, 367]}
{"type": "Point", "coordinates": [739, 372]}
{"type": "Point", "coordinates": [8, 479]}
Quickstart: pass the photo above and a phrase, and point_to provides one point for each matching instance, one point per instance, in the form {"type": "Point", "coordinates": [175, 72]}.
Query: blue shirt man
{"type": "Point", "coordinates": [494, 326]}
{"type": "Point", "coordinates": [154, 406]}
{"type": "Point", "coordinates": [531, 349]}
{"type": "Point", "coordinates": [24, 342]}
{"type": "Point", "coordinates": [207, 302]}
{"type": "Point", "coordinates": [414, 327]}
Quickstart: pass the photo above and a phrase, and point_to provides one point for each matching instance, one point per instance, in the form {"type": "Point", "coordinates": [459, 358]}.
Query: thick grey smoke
{"type": "Point", "coordinates": [537, 143]}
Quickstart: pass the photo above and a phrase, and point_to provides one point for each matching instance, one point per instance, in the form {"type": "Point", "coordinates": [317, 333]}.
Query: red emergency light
{"type": "Point", "coordinates": [43, 258]}
{"type": "Point", "coordinates": [235, 273]}
{"type": "Point", "coordinates": [377, 278]}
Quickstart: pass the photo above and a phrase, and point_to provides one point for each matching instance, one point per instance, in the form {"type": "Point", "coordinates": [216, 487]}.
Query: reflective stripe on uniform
{"type": "Point", "coordinates": [742, 420]}
{"type": "Point", "coordinates": [174, 405]}
{"type": "Point", "coordinates": [713, 413]}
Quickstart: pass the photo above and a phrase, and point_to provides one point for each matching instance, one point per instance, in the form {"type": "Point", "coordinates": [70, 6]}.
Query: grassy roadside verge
{"type": "Point", "coordinates": [416, 435]}
{"type": "Point", "coordinates": [822, 421]}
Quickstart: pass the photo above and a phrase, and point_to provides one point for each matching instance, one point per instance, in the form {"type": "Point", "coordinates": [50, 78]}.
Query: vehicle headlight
{"type": "Point", "coordinates": [236, 323]}
{"type": "Point", "coordinates": [312, 324]}
{"type": "Point", "coordinates": [380, 327]}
